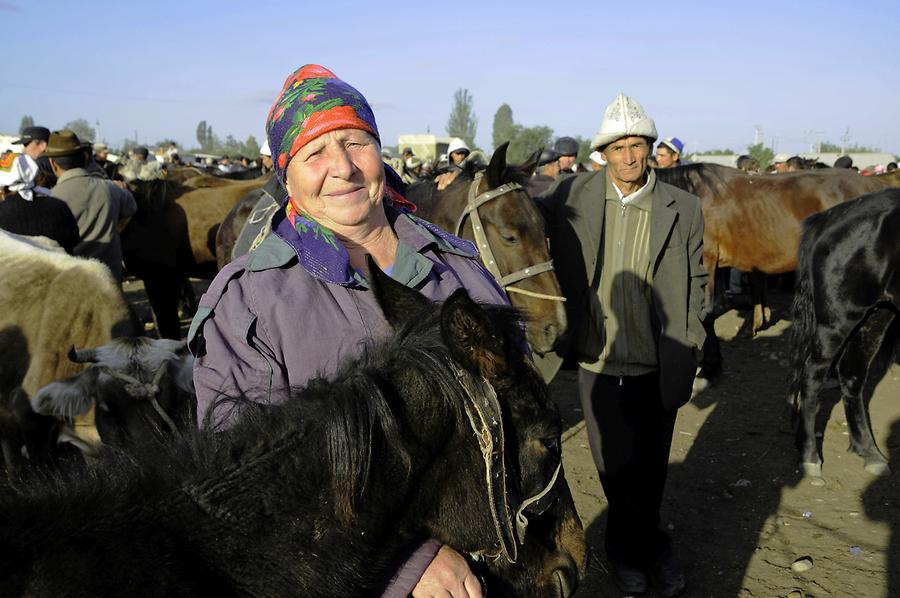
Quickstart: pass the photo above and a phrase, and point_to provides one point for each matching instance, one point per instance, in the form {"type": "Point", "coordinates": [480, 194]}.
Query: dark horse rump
{"type": "Point", "coordinates": [845, 316]}
{"type": "Point", "coordinates": [324, 494]}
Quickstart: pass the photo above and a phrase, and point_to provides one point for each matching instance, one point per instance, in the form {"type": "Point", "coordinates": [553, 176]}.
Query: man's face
{"type": "Point", "coordinates": [567, 162]}
{"type": "Point", "coordinates": [551, 169]}
{"type": "Point", "coordinates": [101, 155]}
{"type": "Point", "coordinates": [626, 159]}
{"type": "Point", "coordinates": [665, 158]}
{"type": "Point", "coordinates": [457, 157]}
{"type": "Point", "coordinates": [35, 148]}
{"type": "Point", "coordinates": [266, 160]}
{"type": "Point", "coordinates": [781, 167]}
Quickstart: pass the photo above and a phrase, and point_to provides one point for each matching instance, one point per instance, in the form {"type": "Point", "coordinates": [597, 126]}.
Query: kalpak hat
{"type": "Point", "coordinates": [33, 134]}
{"type": "Point", "coordinates": [624, 117]}
{"type": "Point", "coordinates": [63, 143]}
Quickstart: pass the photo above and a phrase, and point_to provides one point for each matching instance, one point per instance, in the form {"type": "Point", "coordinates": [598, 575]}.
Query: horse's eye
{"type": "Point", "coordinates": [551, 444]}
{"type": "Point", "coordinates": [509, 236]}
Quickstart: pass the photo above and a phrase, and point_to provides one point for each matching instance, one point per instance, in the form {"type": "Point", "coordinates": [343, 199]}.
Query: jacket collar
{"type": "Point", "coordinates": [320, 253]}
{"type": "Point", "coordinates": [71, 174]}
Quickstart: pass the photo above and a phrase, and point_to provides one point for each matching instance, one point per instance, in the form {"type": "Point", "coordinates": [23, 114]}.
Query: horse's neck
{"type": "Point", "coordinates": [445, 207]}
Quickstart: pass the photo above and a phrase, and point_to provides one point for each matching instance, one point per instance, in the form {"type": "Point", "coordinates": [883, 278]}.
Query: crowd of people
{"type": "Point", "coordinates": [635, 292]}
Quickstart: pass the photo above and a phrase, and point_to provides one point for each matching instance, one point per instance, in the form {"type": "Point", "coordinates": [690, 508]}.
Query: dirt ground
{"type": "Point", "coordinates": [738, 508]}
{"type": "Point", "coordinates": [736, 504]}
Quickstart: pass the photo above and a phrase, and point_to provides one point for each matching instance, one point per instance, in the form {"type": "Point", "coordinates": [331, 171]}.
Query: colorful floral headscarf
{"type": "Point", "coordinates": [312, 102]}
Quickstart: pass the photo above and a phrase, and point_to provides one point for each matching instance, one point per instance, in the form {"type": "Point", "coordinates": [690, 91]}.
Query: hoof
{"type": "Point", "coordinates": [813, 469]}
{"type": "Point", "coordinates": [879, 468]}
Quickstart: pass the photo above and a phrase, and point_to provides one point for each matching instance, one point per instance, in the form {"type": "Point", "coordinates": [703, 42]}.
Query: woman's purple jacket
{"type": "Point", "coordinates": [294, 309]}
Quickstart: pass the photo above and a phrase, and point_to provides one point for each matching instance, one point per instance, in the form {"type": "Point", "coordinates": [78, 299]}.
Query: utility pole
{"type": "Point", "coordinates": [845, 141]}
{"type": "Point", "coordinates": [757, 135]}
{"type": "Point", "coordinates": [97, 131]}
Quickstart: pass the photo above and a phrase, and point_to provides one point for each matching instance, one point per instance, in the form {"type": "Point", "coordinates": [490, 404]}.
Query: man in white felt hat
{"type": "Point", "coordinates": [628, 255]}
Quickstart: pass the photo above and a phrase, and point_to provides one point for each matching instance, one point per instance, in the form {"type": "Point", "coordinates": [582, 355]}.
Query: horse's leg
{"type": "Point", "coordinates": [853, 371]}
{"type": "Point", "coordinates": [163, 292]}
{"type": "Point", "coordinates": [815, 369]}
{"type": "Point", "coordinates": [760, 310]}
{"type": "Point", "coordinates": [711, 364]}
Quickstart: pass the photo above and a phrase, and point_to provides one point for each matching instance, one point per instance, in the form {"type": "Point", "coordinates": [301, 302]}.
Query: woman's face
{"type": "Point", "coordinates": [338, 178]}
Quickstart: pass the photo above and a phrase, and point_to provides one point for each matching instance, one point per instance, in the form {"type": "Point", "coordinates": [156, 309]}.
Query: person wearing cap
{"type": "Point", "coordinates": [669, 152]}
{"type": "Point", "coordinates": [265, 158]}
{"type": "Point", "coordinates": [101, 208]}
{"type": "Point", "coordinates": [545, 174]}
{"type": "Point", "coordinates": [34, 142]}
{"type": "Point", "coordinates": [779, 163]}
{"type": "Point", "coordinates": [596, 160]}
{"type": "Point", "coordinates": [567, 148]}
{"type": "Point", "coordinates": [101, 156]}
{"type": "Point", "coordinates": [29, 209]}
{"type": "Point", "coordinates": [304, 289]}
{"type": "Point", "coordinates": [628, 250]}
{"type": "Point", "coordinates": [747, 163]}
{"type": "Point", "coordinates": [843, 162]}
{"type": "Point", "coordinates": [457, 152]}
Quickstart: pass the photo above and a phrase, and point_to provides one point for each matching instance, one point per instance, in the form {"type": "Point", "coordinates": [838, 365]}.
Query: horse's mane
{"type": "Point", "coordinates": [694, 178]}
{"type": "Point", "coordinates": [353, 408]}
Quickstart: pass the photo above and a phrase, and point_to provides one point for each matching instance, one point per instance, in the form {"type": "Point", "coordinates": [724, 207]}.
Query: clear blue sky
{"type": "Point", "coordinates": [707, 72]}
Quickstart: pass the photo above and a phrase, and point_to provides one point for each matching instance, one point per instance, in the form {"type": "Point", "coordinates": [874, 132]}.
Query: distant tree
{"type": "Point", "coordinates": [715, 152]}
{"type": "Point", "coordinates": [204, 135]}
{"type": "Point", "coordinates": [762, 153]}
{"type": "Point", "coordinates": [128, 144]}
{"type": "Point", "coordinates": [26, 122]}
{"type": "Point", "coordinates": [828, 147]}
{"type": "Point", "coordinates": [584, 149]}
{"type": "Point", "coordinates": [82, 129]}
{"type": "Point", "coordinates": [505, 128]}
{"type": "Point", "coordinates": [462, 122]}
{"type": "Point", "coordinates": [527, 141]}
{"type": "Point", "coordinates": [250, 148]}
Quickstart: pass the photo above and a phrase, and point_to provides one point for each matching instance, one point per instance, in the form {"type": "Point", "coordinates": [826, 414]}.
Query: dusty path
{"type": "Point", "coordinates": [736, 500]}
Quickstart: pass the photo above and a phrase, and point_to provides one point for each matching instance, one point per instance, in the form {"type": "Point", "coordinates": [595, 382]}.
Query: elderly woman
{"type": "Point", "coordinates": [299, 305]}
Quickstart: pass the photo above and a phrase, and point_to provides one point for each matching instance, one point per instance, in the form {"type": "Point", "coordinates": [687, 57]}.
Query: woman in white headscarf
{"type": "Point", "coordinates": [28, 209]}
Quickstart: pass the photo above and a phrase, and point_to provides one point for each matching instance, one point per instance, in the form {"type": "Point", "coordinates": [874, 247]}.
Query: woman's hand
{"type": "Point", "coordinates": [448, 576]}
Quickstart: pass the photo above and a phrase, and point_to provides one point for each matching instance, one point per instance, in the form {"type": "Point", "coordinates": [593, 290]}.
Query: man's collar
{"type": "Point", "coordinates": [71, 174]}
{"type": "Point", "coordinates": [645, 188]}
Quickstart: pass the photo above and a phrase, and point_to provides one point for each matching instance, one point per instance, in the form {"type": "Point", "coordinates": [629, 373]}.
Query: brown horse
{"type": "Point", "coordinates": [172, 236]}
{"type": "Point", "coordinates": [753, 222]}
{"type": "Point", "coordinates": [494, 210]}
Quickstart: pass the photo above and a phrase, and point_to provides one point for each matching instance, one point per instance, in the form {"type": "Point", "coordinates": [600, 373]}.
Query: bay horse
{"type": "Point", "coordinates": [494, 210]}
{"type": "Point", "coordinates": [753, 222]}
{"type": "Point", "coordinates": [172, 236]}
{"type": "Point", "coordinates": [444, 431]}
{"type": "Point", "coordinates": [846, 317]}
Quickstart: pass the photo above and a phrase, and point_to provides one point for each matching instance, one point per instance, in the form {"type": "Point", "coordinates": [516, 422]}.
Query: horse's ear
{"type": "Point", "coordinates": [527, 167]}
{"type": "Point", "coordinates": [497, 166]}
{"type": "Point", "coordinates": [473, 338]}
{"type": "Point", "coordinates": [398, 302]}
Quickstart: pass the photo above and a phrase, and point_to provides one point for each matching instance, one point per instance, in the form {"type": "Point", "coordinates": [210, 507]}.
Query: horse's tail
{"type": "Point", "coordinates": [803, 315]}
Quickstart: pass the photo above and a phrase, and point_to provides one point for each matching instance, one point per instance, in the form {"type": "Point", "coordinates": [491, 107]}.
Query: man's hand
{"type": "Point", "coordinates": [448, 576]}
{"type": "Point", "coordinates": [443, 180]}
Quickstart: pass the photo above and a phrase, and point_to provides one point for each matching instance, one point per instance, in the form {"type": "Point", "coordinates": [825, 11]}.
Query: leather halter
{"type": "Point", "coordinates": [141, 390]}
{"type": "Point", "coordinates": [486, 419]}
{"type": "Point", "coordinates": [476, 200]}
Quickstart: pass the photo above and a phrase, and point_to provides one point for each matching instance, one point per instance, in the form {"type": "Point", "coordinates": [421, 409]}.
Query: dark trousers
{"type": "Point", "coordinates": [630, 435]}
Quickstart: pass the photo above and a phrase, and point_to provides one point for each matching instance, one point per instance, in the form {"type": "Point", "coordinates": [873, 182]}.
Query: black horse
{"type": "Point", "coordinates": [444, 431]}
{"type": "Point", "coordinates": [845, 314]}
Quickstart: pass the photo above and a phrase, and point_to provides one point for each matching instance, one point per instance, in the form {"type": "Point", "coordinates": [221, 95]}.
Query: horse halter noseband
{"type": "Point", "coordinates": [142, 390]}
{"type": "Point", "coordinates": [484, 415]}
{"type": "Point", "coordinates": [475, 201]}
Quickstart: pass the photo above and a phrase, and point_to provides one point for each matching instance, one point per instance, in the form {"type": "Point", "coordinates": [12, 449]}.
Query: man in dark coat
{"type": "Point", "coordinates": [628, 254]}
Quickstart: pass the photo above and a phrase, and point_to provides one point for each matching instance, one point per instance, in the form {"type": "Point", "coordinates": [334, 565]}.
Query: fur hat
{"type": "Point", "coordinates": [623, 117]}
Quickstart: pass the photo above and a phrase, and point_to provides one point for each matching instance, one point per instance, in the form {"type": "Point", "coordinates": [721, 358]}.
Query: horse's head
{"type": "Point", "coordinates": [501, 217]}
{"type": "Point", "coordinates": [494, 487]}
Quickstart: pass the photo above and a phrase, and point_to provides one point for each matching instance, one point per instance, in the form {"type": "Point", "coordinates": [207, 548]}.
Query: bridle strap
{"type": "Point", "coordinates": [138, 389]}
{"type": "Point", "coordinates": [475, 201]}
